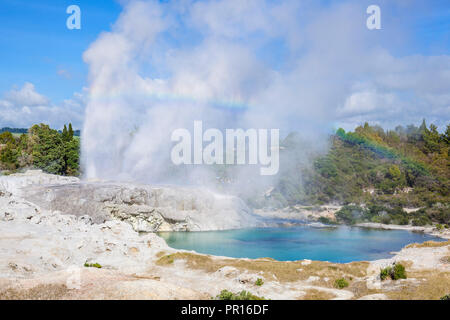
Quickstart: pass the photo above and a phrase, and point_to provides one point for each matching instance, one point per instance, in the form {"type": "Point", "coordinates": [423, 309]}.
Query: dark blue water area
{"type": "Point", "coordinates": [334, 244]}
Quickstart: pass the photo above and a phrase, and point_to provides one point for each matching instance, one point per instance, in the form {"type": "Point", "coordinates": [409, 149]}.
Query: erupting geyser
{"type": "Point", "coordinates": [144, 86]}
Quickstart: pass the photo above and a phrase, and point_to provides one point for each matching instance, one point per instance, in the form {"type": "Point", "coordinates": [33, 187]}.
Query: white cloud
{"type": "Point", "coordinates": [24, 107]}
{"type": "Point", "coordinates": [366, 102]}
{"type": "Point", "coordinates": [27, 95]}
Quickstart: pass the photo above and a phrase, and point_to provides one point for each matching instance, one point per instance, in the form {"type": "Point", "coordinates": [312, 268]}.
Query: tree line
{"type": "Point", "coordinates": [41, 147]}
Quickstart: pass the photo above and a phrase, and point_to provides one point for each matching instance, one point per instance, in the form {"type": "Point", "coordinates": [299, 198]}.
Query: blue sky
{"type": "Point", "coordinates": [36, 43]}
{"type": "Point", "coordinates": [37, 48]}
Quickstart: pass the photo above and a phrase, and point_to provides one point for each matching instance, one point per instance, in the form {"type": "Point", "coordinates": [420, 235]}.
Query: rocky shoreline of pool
{"type": "Point", "coordinates": [444, 233]}
{"type": "Point", "coordinates": [304, 214]}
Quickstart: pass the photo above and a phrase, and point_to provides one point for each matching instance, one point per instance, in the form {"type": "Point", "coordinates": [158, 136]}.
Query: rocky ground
{"type": "Point", "coordinates": [55, 233]}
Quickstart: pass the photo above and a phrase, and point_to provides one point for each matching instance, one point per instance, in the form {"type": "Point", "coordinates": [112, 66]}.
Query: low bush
{"type": "Point", "coordinates": [350, 214]}
{"type": "Point", "coordinates": [399, 272]}
{"type": "Point", "coordinates": [259, 282]}
{"type": "Point", "coordinates": [418, 222]}
{"type": "Point", "coordinates": [385, 273]}
{"type": "Point", "coordinates": [92, 265]}
{"type": "Point", "coordinates": [446, 297]}
{"type": "Point", "coordinates": [326, 220]}
{"type": "Point", "coordinates": [396, 272]}
{"type": "Point", "coordinates": [341, 283]}
{"type": "Point", "coordinates": [243, 295]}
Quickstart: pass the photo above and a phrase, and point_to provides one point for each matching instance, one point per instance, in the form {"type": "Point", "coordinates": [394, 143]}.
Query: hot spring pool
{"type": "Point", "coordinates": [337, 244]}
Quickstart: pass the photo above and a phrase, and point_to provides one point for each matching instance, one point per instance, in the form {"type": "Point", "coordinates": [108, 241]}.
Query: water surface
{"type": "Point", "coordinates": [335, 244]}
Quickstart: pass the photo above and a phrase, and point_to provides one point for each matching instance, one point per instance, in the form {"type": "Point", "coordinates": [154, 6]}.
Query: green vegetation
{"type": "Point", "coordinates": [243, 295]}
{"type": "Point", "coordinates": [396, 272]}
{"type": "Point", "coordinates": [446, 297]}
{"type": "Point", "coordinates": [43, 148]}
{"type": "Point", "coordinates": [385, 273]}
{"type": "Point", "coordinates": [259, 282]}
{"type": "Point", "coordinates": [341, 283]}
{"type": "Point", "coordinates": [92, 265]}
{"type": "Point", "coordinates": [374, 173]}
{"type": "Point", "coordinates": [326, 220]}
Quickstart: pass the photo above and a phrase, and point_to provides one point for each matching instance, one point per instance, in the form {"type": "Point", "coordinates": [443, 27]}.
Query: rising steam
{"type": "Point", "coordinates": [232, 64]}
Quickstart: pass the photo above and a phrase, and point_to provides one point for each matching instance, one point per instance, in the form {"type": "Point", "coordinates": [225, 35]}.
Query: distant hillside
{"type": "Point", "coordinates": [375, 173]}
{"type": "Point", "coordinates": [14, 130]}
{"type": "Point", "coordinates": [24, 130]}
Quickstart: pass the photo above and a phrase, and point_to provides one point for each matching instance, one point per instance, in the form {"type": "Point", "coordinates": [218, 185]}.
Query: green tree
{"type": "Point", "coordinates": [394, 173]}
{"type": "Point", "coordinates": [47, 149]}
{"type": "Point", "coordinates": [70, 132]}
{"type": "Point", "coordinates": [65, 135]}
{"type": "Point", "coordinates": [446, 135]}
{"type": "Point", "coordinates": [7, 137]}
{"type": "Point", "coordinates": [431, 138]}
{"type": "Point", "coordinates": [423, 127]}
{"type": "Point", "coordinates": [71, 157]}
{"type": "Point", "coordinates": [9, 156]}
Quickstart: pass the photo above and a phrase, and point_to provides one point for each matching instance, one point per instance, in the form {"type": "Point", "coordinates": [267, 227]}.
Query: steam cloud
{"type": "Point", "coordinates": [293, 65]}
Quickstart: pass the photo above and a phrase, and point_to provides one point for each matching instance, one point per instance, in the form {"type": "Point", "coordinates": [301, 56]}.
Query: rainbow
{"type": "Point", "coordinates": [383, 151]}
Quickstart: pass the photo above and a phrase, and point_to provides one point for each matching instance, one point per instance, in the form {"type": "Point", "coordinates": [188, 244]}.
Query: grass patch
{"type": "Point", "coordinates": [282, 271]}
{"type": "Point", "coordinates": [314, 294]}
{"type": "Point", "coordinates": [39, 292]}
{"type": "Point", "coordinates": [161, 254]}
{"type": "Point", "coordinates": [429, 244]}
{"type": "Point", "coordinates": [341, 283]}
{"type": "Point", "coordinates": [433, 285]}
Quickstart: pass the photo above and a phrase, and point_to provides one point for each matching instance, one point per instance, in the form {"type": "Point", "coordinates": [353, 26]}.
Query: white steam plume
{"type": "Point", "coordinates": [232, 63]}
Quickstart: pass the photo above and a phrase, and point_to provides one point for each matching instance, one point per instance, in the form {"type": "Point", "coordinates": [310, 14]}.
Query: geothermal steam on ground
{"type": "Point", "coordinates": [234, 64]}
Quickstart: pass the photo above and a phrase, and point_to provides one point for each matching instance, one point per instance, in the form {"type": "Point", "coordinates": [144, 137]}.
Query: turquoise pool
{"type": "Point", "coordinates": [335, 244]}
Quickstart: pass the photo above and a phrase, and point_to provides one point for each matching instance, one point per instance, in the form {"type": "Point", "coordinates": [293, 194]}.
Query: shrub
{"type": "Point", "coordinates": [385, 273]}
{"type": "Point", "coordinates": [226, 295]}
{"type": "Point", "coordinates": [419, 222]}
{"type": "Point", "coordinates": [92, 265]}
{"type": "Point", "coordinates": [350, 214]}
{"type": "Point", "coordinates": [341, 283]}
{"type": "Point", "coordinates": [326, 220]}
{"type": "Point", "coordinates": [446, 297]}
{"type": "Point", "coordinates": [243, 295]}
{"type": "Point", "coordinates": [399, 272]}
{"type": "Point", "coordinates": [396, 272]}
{"type": "Point", "coordinates": [259, 282]}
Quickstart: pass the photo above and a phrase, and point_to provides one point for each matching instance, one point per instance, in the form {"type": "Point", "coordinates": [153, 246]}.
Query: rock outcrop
{"type": "Point", "coordinates": [146, 208]}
